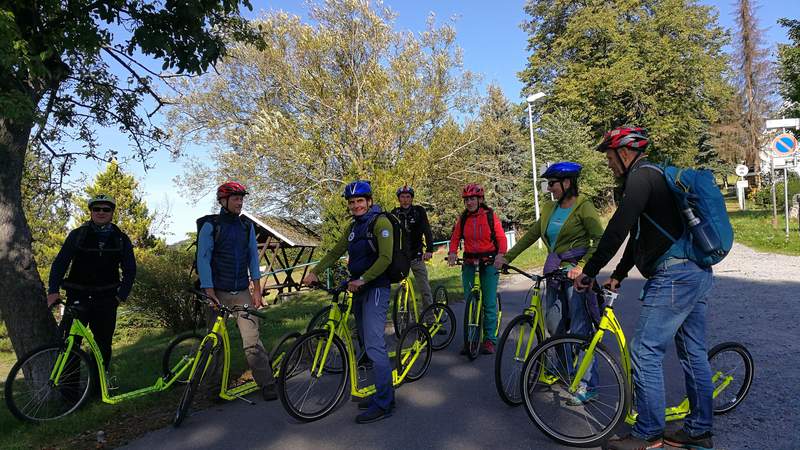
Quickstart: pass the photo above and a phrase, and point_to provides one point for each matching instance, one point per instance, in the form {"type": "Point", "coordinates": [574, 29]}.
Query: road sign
{"type": "Point", "coordinates": [783, 123]}
{"type": "Point", "coordinates": [742, 184]}
{"type": "Point", "coordinates": [784, 145]}
{"type": "Point", "coordinates": [741, 170]}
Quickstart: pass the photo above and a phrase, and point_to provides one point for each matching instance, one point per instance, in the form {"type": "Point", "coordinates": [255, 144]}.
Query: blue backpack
{"type": "Point", "coordinates": [707, 235]}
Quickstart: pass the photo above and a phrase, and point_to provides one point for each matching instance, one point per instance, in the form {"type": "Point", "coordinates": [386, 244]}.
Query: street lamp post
{"type": "Point", "coordinates": [531, 99]}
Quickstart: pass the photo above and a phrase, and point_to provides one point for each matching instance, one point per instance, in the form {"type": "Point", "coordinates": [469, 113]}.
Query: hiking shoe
{"type": "Point", "coordinates": [364, 405]}
{"type": "Point", "coordinates": [487, 348]}
{"type": "Point", "coordinates": [581, 396]}
{"type": "Point", "coordinates": [373, 414]}
{"type": "Point", "coordinates": [631, 442]}
{"type": "Point", "coordinates": [269, 392]}
{"type": "Point", "coordinates": [682, 439]}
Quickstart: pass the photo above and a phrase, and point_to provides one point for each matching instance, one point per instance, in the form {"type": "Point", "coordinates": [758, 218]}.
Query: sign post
{"type": "Point", "coordinates": [783, 146]}
{"type": "Point", "coordinates": [741, 170]}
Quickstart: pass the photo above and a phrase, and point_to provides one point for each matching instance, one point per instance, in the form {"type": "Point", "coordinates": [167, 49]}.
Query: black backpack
{"type": "Point", "coordinates": [492, 234]}
{"type": "Point", "coordinates": [212, 218]}
{"type": "Point", "coordinates": [400, 266]}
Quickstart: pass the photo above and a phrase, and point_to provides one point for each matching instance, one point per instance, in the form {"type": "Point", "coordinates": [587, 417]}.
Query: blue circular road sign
{"type": "Point", "coordinates": [784, 145]}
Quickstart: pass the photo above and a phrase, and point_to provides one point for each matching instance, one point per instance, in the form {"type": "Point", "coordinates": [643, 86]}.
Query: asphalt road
{"type": "Point", "coordinates": [454, 406]}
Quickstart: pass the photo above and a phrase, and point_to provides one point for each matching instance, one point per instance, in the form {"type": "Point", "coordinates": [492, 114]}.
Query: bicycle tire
{"type": "Point", "coordinates": [718, 368]}
{"type": "Point", "coordinates": [297, 369]}
{"type": "Point", "coordinates": [615, 395]}
{"type": "Point", "coordinates": [472, 333]}
{"type": "Point", "coordinates": [416, 336]}
{"type": "Point", "coordinates": [447, 318]}
{"type": "Point", "coordinates": [33, 370]}
{"type": "Point", "coordinates": [278, 352]}
{"type": "Point", "coordinates": [184, 345]}
{"type": "Point", "coordinates": [401, 312]}
{"type": "Point", "coordinates": [195, 378]}
{"type": "Point", "coordinates": [319, 319]}
{"type": "Point", "coordinates": [440, 295]}
{"type": "Point", "coordinates": [506, 379]}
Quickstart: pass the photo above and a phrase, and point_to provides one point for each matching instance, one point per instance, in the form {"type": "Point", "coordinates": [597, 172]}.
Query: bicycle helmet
{"type": "Point", "coordinates": [406, 189]}
{"type": "Point", "coordinates": [564, 169]}
{"type": "Point", "coordinates": [102, 198]}
{"type": "Point", "coordinates": [634, 138]}
{"type": "Point", "coordinates": [472, 190]}
{"type": "Point", "coordinates": [358, 188]}
{"type": "Point", "coordinates": [225, 190]}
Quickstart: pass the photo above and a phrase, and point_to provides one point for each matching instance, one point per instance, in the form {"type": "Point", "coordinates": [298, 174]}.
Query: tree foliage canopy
{"type": "Point", "coordinates": [320, 104]}
{"type": "Point", "coordinates": [789, 67]}
{"type": "Point", "coordinates": [659, 64]}
{"type": "Point", "coordinates": [131, 214]}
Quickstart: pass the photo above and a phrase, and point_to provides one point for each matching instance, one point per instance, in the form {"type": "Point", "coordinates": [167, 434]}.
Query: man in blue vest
{"type": "Point", "coordinates": [95, 253]}
{"type": "Point", "coordinates": [227, 264]}
{"type": "Point", "coordinates": [370, 285]}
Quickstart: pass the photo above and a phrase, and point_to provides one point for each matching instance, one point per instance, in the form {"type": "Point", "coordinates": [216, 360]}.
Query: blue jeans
{"type": "Point", "coordinates": [370, 306]}
{"type": "Point", "coordinates": [674, 307]}
{"type": "Point", "coordinates": [579, 320]}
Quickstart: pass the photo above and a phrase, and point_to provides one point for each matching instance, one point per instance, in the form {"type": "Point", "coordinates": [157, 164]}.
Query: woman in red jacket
{"type": "Point", "coordinates": [484, 238]}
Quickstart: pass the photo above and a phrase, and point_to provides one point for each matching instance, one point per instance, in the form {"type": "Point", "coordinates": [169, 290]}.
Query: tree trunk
{"type": "Point", "coordinates": [22, 295]}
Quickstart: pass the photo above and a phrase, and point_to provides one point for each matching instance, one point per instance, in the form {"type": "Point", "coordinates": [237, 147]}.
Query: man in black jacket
{"type": "Point", "coordinates": [95, 253]}
{"type": "Point", "coordinates": [673, 299]}
{"type": "Point", "coordinates": [415, 220]}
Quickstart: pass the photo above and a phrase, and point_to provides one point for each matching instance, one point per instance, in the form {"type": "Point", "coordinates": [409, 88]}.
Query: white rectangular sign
{"type": "Point", "coordinates": [783, 123]}
{"type": "Point", "coordinates": [742, 184]}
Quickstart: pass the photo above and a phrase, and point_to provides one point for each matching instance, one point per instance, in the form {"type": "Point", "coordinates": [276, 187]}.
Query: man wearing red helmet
{"type": "Point", "coordinates": [484, 239]}
{"type": "Point", "coordinates": [228, 268]}
{"type": "Point", "coordinates": [674, 296]}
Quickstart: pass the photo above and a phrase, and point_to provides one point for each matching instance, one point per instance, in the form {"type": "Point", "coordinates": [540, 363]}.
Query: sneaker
{"type": "Point", "coordinates": [364, 405]}
{"type": "Point", "coordinates": [581, 396]}
{"type": "Point", "coordinates": [269, 392]}
{"type": "Point", "coordinates": [111, 382]}
{"type": "Point", "coordinates": [681, 439]}
{"type": "Point", "coordinates": [631, 442]}
{"type": "Point", "coordinates": [487, 348]}
{"type": "Point", "coordinates": [373, 414]}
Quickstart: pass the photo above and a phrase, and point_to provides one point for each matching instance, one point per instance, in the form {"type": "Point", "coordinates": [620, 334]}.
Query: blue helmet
{"type": "Point", "coordinates": [564, 169]}
{"type": "Point", "coordinates": [405, 190]}
{"type": "Point", "coordinates": [358, 188]}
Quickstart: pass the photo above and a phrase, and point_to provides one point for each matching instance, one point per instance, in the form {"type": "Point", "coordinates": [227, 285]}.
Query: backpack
{"type": "Point", "coordinates": [489, 219]}
{"type": "Point", "coordinates": [708, 235]}
{"type": "Point", "coordinates": [400, 266]}
{"type": "Point", "coordinates": [212, 218]}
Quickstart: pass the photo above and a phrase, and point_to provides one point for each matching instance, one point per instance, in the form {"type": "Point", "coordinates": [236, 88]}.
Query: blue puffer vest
{"type": "Point", "coordinates": [361, 249]}
{"type": "Point", "coordinates": [229, 261]}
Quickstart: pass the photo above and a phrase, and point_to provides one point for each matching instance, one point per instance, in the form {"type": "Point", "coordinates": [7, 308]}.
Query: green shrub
{"type": "Point", "coordinates": [160, 291]}
{"type": "Point", "coordinates": [764, 196]}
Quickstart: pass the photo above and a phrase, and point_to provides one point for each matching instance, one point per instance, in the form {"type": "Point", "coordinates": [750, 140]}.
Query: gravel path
{"type": "Point", "coordinates": [756, 301]}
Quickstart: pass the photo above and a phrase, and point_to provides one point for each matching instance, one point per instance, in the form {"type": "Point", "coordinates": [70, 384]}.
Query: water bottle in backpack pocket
{"type": "Point", "coordinates": [708, 234]}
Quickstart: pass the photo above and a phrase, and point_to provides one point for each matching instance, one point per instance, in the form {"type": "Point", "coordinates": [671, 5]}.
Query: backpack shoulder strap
{"type": "Point", "coordinates": [492, 233]}
{"type": "Point", "coordinates": [462, 222]}
{"type": "Point", "coordinates": [81, 236]}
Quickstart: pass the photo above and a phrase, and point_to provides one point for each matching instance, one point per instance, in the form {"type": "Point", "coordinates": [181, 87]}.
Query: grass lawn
{"type": "Point", "coordinates": [753, 228]}
{"type": "Point", "coordinates": [137, 363]}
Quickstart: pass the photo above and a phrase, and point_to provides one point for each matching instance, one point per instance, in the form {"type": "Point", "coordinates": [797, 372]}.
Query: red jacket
{"type": "Point", "coordinates": [477, 236]}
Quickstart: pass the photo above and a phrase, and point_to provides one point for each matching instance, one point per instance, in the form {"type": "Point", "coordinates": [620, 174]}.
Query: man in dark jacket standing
{"type": "Point", "coordinates": [95, 253]}
{"type": "Point", "coordinates": [415, 220]}
{"type": "Point", "coordinates": [673, 299]}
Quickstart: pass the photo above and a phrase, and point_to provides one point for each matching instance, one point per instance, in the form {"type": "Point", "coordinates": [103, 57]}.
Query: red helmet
{"type": "Point", "coordinates": [634, 138]}
{"type": "Point", "coordinates": [225, 190]}
{"type": "Point", "coordinates": [472, 190]}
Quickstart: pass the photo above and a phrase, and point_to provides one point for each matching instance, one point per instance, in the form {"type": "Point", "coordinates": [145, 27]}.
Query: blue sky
{"type": "Point", "coordinates": [493, 44]}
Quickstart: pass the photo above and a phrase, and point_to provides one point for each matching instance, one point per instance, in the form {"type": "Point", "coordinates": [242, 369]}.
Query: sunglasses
{"type": "Point", "coordinates": [550, 183]}
{"type": "Point", "coordinates": [102, 209]}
